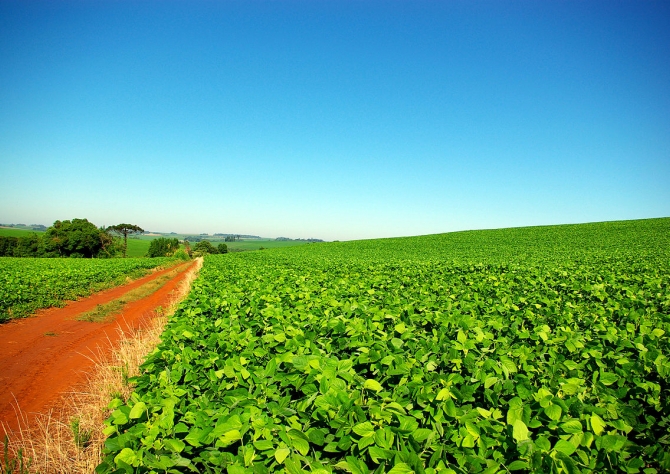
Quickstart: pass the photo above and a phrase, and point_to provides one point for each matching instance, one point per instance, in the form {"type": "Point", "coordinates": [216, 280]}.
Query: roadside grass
{"type": "Point", "coordinates": [69, 439]}
{"type": "Point", "coordinates": [13, 464]}
{"type": "Point", "coordinates": [106, 312]}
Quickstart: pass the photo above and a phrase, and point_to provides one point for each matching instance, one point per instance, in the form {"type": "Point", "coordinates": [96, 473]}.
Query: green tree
{"type": "Point", "coordinates": [30, 246]}
{"type": "Point", "coordinates": [56, 238]}
{"type": "Point", "coordinates": [75, 238]}
{"type": "Point", "coordinates": [8, 245]}
{"type": "Point", "coordinates": [223, 248]}
{"type": "Point", "coordinates": [111, 246]}
{"type": "Point", "coordinates": [163, 247]}
{"type": "Point", "coordinates": [125, 230]}
{"type": "Point", "coordinates": [204, 247]}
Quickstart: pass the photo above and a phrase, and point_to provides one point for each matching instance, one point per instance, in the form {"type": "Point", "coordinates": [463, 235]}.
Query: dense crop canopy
{"type": "Point", "coordinates": [531, 350]}
{"type": "Point", "coordinates": [28, 284]}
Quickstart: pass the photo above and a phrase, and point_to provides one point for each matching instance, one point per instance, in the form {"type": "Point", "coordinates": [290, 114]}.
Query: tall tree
{"type": "Point", "coordinates": [125, 230]}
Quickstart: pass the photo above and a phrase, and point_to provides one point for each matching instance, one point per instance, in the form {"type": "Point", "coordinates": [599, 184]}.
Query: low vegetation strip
{"type": "Point", "coordinates": [107, 311]}
{"type": "Point", "coordinates": [531, 350]}
{"type": "Point", "coordinates": [30, 284]}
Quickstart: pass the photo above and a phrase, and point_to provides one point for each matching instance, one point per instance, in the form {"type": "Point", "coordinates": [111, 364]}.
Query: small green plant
{"type": "Point", "coordinates": [13, 464]}
{"type": "Point", "coordinates": [125, 377]}
{"type": "Point", "coordinates": [116, 394]}
{"type": "Point", "coordinates": [82, 437]}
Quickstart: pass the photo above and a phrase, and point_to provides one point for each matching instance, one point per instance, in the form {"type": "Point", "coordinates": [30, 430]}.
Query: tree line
{"type": "Point", "coordinates": [76, 238]}
{"type": "Point", "coordinates": [205, 247]}
{"type": "Point", "coordinates": [79, 238]}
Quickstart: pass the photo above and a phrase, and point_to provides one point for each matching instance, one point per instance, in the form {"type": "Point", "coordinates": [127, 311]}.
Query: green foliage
{"type": "Point", "coordinates": [76, 238]}
{"type": "Point", "coordinates": [181, 255]}
{"type": "Point", "coordinates": [222, 248]}
{"type": "Point", "coordinates": [29, 245]}
{"type": "Point", "coordinates": [8, 245]}
{"type": "Point", "coordinates": [29, 284]}
{"type": "Point", "coordinates": [204, 247]}
{"type": "Point", "coordinates": [82, 437]}
{"type": "Point", "coordinates": [10, 464]}
{"type": "Point", "coordinates": [163, 247]}
{"type": "Point", "coordinates": [111, 246]}
{"type": "Point", "coordinates": [541, 350]}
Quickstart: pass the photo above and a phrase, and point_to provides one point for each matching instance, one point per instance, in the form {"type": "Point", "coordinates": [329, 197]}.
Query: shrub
{"type": "Point", "coordinates": [163, 247]}
{"type": "Point", "coordinates": [205, 247]}
{"type": "Point", "coordinates": [181, 255]}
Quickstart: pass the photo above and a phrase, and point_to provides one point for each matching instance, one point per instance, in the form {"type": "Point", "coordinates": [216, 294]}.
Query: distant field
{"type": "Point", "coordinates": [138, 247]}
{"type": "Point", "coordinates": [248, 244]}
{"type": "Point", "coordinates": [257, 244]}
{"type": "Point", "coordinates": [6, 232]}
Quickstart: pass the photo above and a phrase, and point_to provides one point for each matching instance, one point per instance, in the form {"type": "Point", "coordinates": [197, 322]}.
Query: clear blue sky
{"type": "Point", "coordinates": [334, 119]}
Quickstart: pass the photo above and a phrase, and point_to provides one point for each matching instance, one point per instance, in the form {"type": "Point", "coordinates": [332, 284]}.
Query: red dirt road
{"type": "Point", "coordinates": [44, 356]}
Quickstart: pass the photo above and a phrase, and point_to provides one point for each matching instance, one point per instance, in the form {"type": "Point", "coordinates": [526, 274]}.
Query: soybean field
{"type": "Point", "coordinates": [541, 349]}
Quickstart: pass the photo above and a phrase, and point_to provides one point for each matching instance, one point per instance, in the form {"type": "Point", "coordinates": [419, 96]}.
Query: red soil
{"type": "Point", "coordinates": [44, 356]}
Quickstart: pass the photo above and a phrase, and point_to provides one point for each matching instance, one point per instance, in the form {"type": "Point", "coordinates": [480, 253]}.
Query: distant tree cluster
{"type": "Point", "coordinates": [286, 239]}
{"type": "Point", "coordinates": [226, 237]}
{"type": "Point", "coordinates": [205, 247]}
